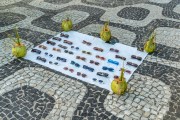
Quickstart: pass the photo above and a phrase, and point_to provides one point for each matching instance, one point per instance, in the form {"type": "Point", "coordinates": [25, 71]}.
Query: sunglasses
{"type": "Point", "coordinates": [36, 51]}
{"type": "Point", "coordinates": [93, 62]}
{"type": "Point", "coordinates": [51, 43]}
{"type": "Point", "coordinates": [89, 53]}
{"type": "Point", "coordinates": [41, 59]}
{"type": "Point", "coordinates": [68, 42]}
{"type": "Point", "coordinates": [88, 68]}
{"type": "Point", "coordinates": [106, 68]}
{"type": "Point", "coordinates": [114, 50]}
{"type": "Point", "coordinates": [81, 74]}
{"type": "Point", "coordinates": [113, 62]}
{"type": "Point", "coordinates": [56, 63]}
{"type": "Point", "coordinates": [81, 58]}
{"type": "Point", "coordinates": [77, 48]}
{"type": "Point", "coordinates": [70, 52]}
{"type": "Point", "coordinates": [50, 55]}
{"type": "Point", "coordinates": [43, 47]}
{"type": "Point", "coordinates": [66, 68]}
{"type": "Point", "coordinates": [87, 43]}
{"type": "Point", "coordinates": [74, 63]}
{"type": "Point", "coordinates": [61, 59]}
{"type": "Point", "coordinates": [56, 49]}
{"type": "Point", "coordinates": [64, 35]}
{"type": "Point", "coordinates": [120, 57]}
{"type": "Point", "coordinates": [132, 64]}
{"type": "Point", "coordinates": [56, 38]}
{"type": "Point", "coordinates": [127, 71]}
{"type": "Point", "coordinates": [136, 57]}
{"type": "Point", "coordinates": [100, 81]}
{"type": "Point", "coordinates": [61, 46]}
{"type": "Point", "coordinates": [102, 58]}
{"type": "Point", "coordinates": [98, 49]}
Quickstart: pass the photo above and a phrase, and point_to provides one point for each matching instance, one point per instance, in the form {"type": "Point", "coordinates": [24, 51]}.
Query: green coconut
{"type": "Point", "coordinates": [105, 33]}
{"type": "Point", "coordinates": [150, 45]}
{"type": "Point", "coordinates": [67, 25]}
{"type": "Point", "coordinates": [19, 49]}
{"type": "Point", "coordinates": [119, 85]}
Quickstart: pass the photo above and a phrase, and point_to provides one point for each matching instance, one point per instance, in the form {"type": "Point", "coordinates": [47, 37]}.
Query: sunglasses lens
{"type": "Point", "coordinates": [83, 75]}
{"type": "Point", "coordinates": [77, 48]}
{"type": "Point", "coordinates": [111, 69]}
{"type": "Point", "coordinates": [78, 73]}
{"type": "Point", "coordinates": [91, 61]}
{"type": "Point", "coordinates": [72, 62]}
{"type": "Point", "coordinates": [70, 52]}
{"type": "Point", "coordinates": [72, 46]}
{"type": "Point", "coordinates": [104, 68]}
{"type": "Point", "coordinates": [46, 53]}
{"type": "Point", "coordinates": [50, 55]}
{"type": "Point", "coordinates": [94, 79]}
{"type": "Point", "coordinates": [65, 68]}
{"type": "Point", "coordinates": [50, 62]}
{"type": "Point", "coordinates": [100, 81]}
{"type": "Point", "coordinates": [96, 63]}
{"type": "Point", "coordinates": [83, 51]}
{"type": "Point", "coordinates": [66, 51]}
{"type": "Point", "coordinates": [56, 63]}
{"type": "Point", "coordinates": [88, 53]}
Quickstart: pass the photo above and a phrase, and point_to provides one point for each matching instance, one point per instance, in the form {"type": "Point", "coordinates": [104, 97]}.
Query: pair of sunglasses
{"type": "Point", "coordinates": [61, 46]}
{"type": "Point", "coordinates": [88, 68]}
{"type": "Point", "coordinates": [66, 68]}
{"type": "Point", "coordinates": [56, 63]}
{"type": "Point", "coordinates": [64, 35]}
{"type": "Point", "coordinates": [100, 81]}
{"type": "Point", "coordinates": [50, 55]}
{"type": "Point", "coordinates": [77, 48]}
{"type": "Point", "coordinates": [132, 64]}
{"type": "Point", "coordinates": [43, 47]}
{"type": "Point", "coordinates": [81, 74]}
{"type": "Point", "coordinates": [113, 62]}
{"type": "Point", "coordinates": [89, 53]}
{"type": "Point", "coordinates": [74, 63]}
{"type": "Point", "coordinates": [102, 58]}
{"type": "Point", "coordinates": [98, 49]}
{"type": "Point", "coordinates": [81, 58]}
{"type": "Point", "coordinates": [136, 57]}
{"type": "Point", "coordinates": [51, 43]}
{"type": "Point", "coordinates": [41, 59]}
{"type": "Point", "coordinates": [93, 62]}
{"type": "Point", "coordinates": [120, 57]}
{"type": "Point", "coordinates": [109, 69]}
{"type": "Point", "coordinates": [61, 59]}
{"type": "Point", "coordinates": [114, 50]}
{"type": "Point", "coordinates": [70, 52]}
{"type": "Point", "coordinates": [56, 49]}
{"type": "Point", "coordinates": [36, 51]}
{"type": "Point", "coordinates": [68, 42]}
{"type": "Point", "coordinates": [87, 43]}
{"type": "Point", "coordinates": [56, 38]}
{"type": "Point", "coordinates": [127, 71]}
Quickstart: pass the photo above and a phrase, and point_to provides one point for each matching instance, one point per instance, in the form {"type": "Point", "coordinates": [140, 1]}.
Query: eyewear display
{"type": "Point", "coordinates": [77, 48]}
{"type": "Point", "coordinates": [81, 74]}
{"type": "Point", "coordinates": [70, 52]}
{"type": "Point", "coordinates": [109, 69]}
{"type": "Point", "coordinates": [56, 49]}
{"type": "Point", "coordinates": [74, 63]}
{"type": "Point", "coordinates": [81, 58]}
{"type": "Point", "coordinates": [41, 59]}
{"type": "Point", "coordinates": [132, 64]}
{"type": "Point", "coordinates": [61, 59]}
{"type": "Point", "coordinates": [102, 58]}
{"type": "Point", "coordinates": [43, 47]}
{"type": "Point", "coordinates": [51, 43]}
{"type": "Point", "coordinates": [88, 68]}
{"type": "Point", "coordinates": [68, 42]}
{"type": "Point", "coordinates": [120, 57]}
{"type": "Point", "coordinates": [100, 81]}
{"type": "Point", "coordinates": [136, 57]}
{"type": "Point", "coordinates": [114, 50]}
{"type": "Point", "coordinates": [56, 38]}
{"type": "Point", "coordinates": [64, 35]}
{"type": "Point", "coordinates": [113, 62]}
{"type": "Point", "coordinates": [98, 49]}
{"type": "Point", "coordinates": [62, 46]}
{"type": "Point", "coordinates": [93, 62]}
{"type": "Point", "coordinates": [87, 43]}
{"type": "Point", "coordinates": [36, 51]}
{"type": "Point", "coordinates": [89, 53]}
{"type": "Point", "coordinates": [66, 68]}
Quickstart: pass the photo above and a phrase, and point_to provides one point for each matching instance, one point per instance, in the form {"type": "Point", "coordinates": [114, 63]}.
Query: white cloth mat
{"type": "Point", "coordinates": [77, 38]}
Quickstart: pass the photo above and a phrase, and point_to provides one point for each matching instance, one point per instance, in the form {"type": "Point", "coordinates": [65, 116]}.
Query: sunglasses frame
{"type": "Point", "coordinates": [36, 51]}
{"type": "Point", "coordinates": [102, 58]}
{"type": "Point", "coordinates": [114, 50]}
{"type": "Point", "coordinates": [68, 42]}
{"type": "Point", "coordinates": [41, 59]}
{"type": "Point", "coordinates": [109, 69]}
{"type": "Point", "coordinates": [136, 57]}
{"type": "Point", "coordinates": [61, 59]}
{"type": "Point", "coordinates": [87, 43]}
{"type": "Point", "coordinates": [51, 42]}
{"type": "Point", "coordinates": [57, 38]}
{"type": "Point", "coordinates": [120, 57]}
{"type": "Point", "coordinates": [132, 64]}
{"type": "Point", "coordinates": [98, 49]}
{"type": "Point", "coordinates": [94, 62]}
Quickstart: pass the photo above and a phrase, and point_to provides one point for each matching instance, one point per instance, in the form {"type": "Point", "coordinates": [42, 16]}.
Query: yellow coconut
{"type": "Point", "coordinates": [105, 33]}
{"type": "Point", "coordinates": [150, 45]}
{"type": "Point", "coordinates": [67, 25]}
{"type": "Point", "coordinates": [19, 50]}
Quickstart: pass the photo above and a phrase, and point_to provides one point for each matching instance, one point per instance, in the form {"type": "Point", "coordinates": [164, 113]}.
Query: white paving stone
{"type": "Point", "coordinates": [177, 9]}
{"type": "Point", "coordinates": [160, 1]}
{"type": "Point", "coordinates": [8, 2]}
{"type": "Point", "coordinates": [74, 15]}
